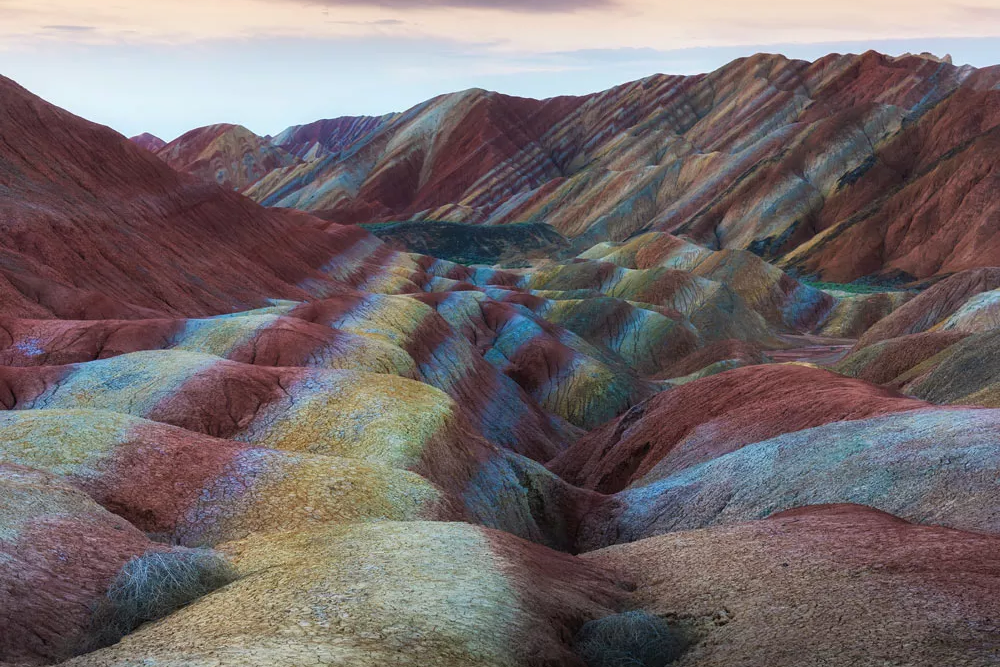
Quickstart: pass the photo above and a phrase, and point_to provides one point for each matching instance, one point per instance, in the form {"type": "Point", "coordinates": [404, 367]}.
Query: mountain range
{"type": "Point", "coordinates": [838, 169]}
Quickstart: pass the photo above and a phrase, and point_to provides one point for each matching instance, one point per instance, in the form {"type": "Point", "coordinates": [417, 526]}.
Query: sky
{"type": "Point", "coordinates": [167, 66]}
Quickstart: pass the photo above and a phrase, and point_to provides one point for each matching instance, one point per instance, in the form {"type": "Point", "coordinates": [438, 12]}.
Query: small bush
{"type": "Point", "coordinates": [152, 586]}
{"type": "Point", "coordinates": [632, 639]}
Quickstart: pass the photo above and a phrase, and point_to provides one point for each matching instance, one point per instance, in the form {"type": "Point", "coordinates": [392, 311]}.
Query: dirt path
{"type": "Point", "coordinates": [820, 350]}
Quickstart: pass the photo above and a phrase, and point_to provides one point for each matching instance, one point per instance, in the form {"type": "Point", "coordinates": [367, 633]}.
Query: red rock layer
{"type": "Point", "coordinates": [933, 305]}
{"type": "Point", "coordinates": [230, 155]}
{"type": "Point", "coordinates": [708, 418]}
{"type": "Point", "coordinates": [746, 353]}
{"type": "Point", "coordinates": [835, 585]}
{"type": "Point", "coordinates": [150, 142]}
{"type": "Point", "coordinates": [56, 564]}
{"type": "Point", "coordinates": [888, 361]}
{"type": "Point", "coordinates": [927, 206]}
{"type": "Point", "coordinates": [91, 222]}
{"type": "Point", "coordinates": [318, 139]}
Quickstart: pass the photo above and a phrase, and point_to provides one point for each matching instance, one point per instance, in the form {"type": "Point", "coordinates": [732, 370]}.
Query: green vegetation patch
{"type": "Point", "coordinates": [853, 288]}
{"type": "Point", "coordinates": [474, 244]}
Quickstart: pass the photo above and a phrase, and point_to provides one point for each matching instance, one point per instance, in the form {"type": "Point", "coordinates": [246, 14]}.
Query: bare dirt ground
{"type": "Point", "coordinates": [819, 350]}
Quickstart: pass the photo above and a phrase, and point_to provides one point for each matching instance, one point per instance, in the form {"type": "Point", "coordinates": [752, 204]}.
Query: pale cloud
{"type": "Point", "coordinates": [980, 12]}
{"type": "Point", "coordinates": [383, 22]}
{"type": "Point", "coordinates": [69, 28]}
{"type": "Point", "coordinates": [533, 6]}
{"type": "Point", "coordinates": [519, 25]}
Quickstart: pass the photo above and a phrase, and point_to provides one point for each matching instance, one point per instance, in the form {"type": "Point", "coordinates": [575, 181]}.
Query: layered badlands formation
{"type": "Point", "coordinates": [245, 156]}
{"type": "Point", "coordinates": [408, 460]}
{"type": "Point", "coordinates": [841, 168]}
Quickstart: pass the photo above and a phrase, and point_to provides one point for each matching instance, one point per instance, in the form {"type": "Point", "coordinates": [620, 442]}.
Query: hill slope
{"type": "Point", "coordinates": [88, 216]}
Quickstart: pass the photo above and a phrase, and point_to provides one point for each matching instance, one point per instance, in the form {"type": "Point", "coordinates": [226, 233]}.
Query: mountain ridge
{"type": "Point", "coordinates": [781, 157]}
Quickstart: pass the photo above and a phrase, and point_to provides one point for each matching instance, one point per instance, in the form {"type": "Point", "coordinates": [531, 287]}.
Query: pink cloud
{"type": "Point", "coordinates": [540, 6]}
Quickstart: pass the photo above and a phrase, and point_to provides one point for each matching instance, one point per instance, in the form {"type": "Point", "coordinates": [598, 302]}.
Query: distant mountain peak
{"type": "Point", "coordinates": [230, 155]}
{"type": "Point", "coordinates": [150, 142]}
